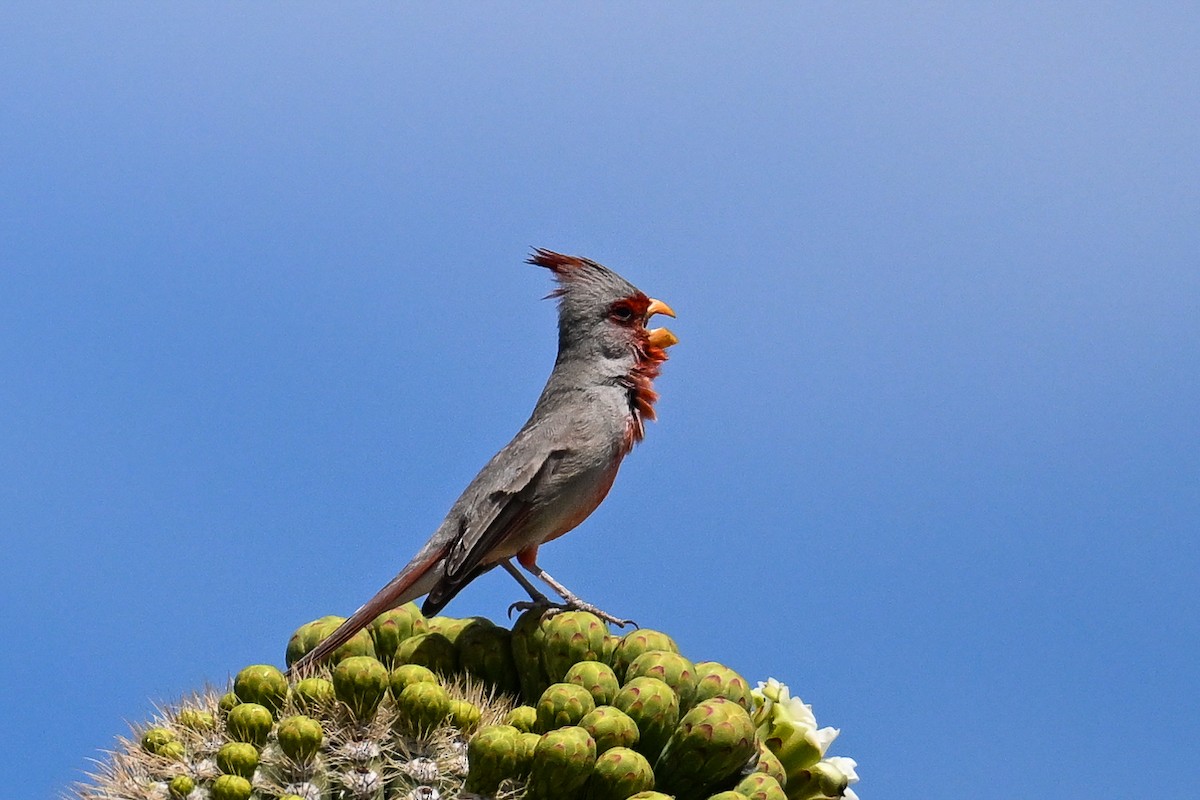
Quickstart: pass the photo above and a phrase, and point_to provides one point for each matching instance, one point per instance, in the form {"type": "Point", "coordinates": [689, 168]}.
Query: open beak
{"type": "Point", "coordinates": [658, 307]}
{"type": "Point", "coordinates": [661, 337]}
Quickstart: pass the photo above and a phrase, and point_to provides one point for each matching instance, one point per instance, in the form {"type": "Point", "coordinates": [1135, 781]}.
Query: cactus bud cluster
{"type": "Point", "coordinates": [558, 708]}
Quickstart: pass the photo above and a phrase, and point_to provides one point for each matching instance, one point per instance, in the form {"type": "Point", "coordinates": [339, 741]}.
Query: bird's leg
{"type": "Point", "coordinates": [537, 598]}
{"type": "Point", "coordinates": [572, 602]}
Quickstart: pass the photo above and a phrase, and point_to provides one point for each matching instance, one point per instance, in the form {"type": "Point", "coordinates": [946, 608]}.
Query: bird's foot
{"type": "Point", "coordinates": [575, 604]}
{"type": "Point", "coordinates": [527, 605]}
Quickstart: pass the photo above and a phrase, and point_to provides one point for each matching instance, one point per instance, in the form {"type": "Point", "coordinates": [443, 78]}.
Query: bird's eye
{"type": "Point", "coordinates": [622, 313]}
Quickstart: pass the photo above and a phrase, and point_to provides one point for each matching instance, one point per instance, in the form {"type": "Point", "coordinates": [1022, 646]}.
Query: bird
{"type": "Point", "coordinates": [562, 462]}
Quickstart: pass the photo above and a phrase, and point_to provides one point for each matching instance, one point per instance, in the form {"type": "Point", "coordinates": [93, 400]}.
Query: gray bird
{"type": "Point", "coordinates": [560, 465]}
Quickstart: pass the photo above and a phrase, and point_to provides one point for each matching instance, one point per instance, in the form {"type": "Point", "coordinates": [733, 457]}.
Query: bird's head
{"type": "Point", "coordinates": [602, 333]}
{"type": "Point", "coordinates": [602, 315]}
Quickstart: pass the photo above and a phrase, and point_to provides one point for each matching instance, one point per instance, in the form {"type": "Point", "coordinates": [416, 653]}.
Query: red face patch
{"type": "Point", "coordinates": [629, 310]}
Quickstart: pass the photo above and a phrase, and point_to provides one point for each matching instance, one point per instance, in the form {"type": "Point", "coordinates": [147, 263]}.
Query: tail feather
{"type": "Point", "coordinates": [399, 590]}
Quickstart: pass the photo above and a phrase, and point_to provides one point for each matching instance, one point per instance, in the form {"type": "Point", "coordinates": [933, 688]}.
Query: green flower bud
{"type": "Point", "coordinates": [718, 680]}
{"type": "Point", "coordinates": [597, 677]}
{"type": "Point", "coordinates": [155, 739]}
{"type": "Point", "coordinates": [249, 722]}
{"type": "Point", "coordinates": [654, 707]}
{"type": "Point", "coordinates": [465, 716]}
{"type": "Point", "coordinates": [562, 763]}
{"type": "Point", "coordinates": [309, 635]}
{"type": "Point", "coordinates": [300, 737]}
{"type": "Point", "coordinates": [407, 674]}
{"type": "Point", "coordinates": [485, 652]}
{"type": "Point", "coordinates": [196, 720]}
{"type": "Point", "coordinates": [313, 695]}
{"type": "Point", "coordinates": [760, 786]}
{"type": "Point", "coordinates": [492, 758]}
{"type": "Point", "coordinates": [618, 773]}
{"type": "Point", "coordinates": [670, 668]}
{"type": "Point", "coordinates": [181, 786]}
{"type": "Point", "coordinates": [262, 684]}
{"type": "Point", "coordinates": [230, 787]}
{"type": "Point", "coordinates": [712, 744]}
{"type": "Point", "coordinates": [432, 650]}
{"type": "Point", "coordinates": [610, 727]}
{"type": "Point", "coordinates": [527, 641]}
{"type": "Point", "coordinates": [634, 643]}
{"type": "Point", "coordinates": [571, 637]}
{"type": "Point", "coordinates": [769, 764]}
{"type": "Point", "coordinates": [561, 705]}
{"type": "Point", "coordinates": [175, 751]}
{"type": "Point", "coordinates": [226, 703]}
{"type": "Point", "coordinates": [360, 682]}
{"type": "Point", "coordinates": [391, 628]}
{"type": "Point", "coordinates": [422, 706]}
{"type": "Point", "coordinates": [526, 748]}
{"type": "Point", "coordinates": [523, 718]}
{"type": "Point", "coordinates": [238, 758]}
{"type": "Point", "coordinates": [826, 780]}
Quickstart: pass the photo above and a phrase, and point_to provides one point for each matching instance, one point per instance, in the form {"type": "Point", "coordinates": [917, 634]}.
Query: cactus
{"type": "Point", "coordinates": [610, 727]}
{"type": "Point", "coordinates": [671, 668]}
{"type": "Point", "coordinates": [597, 677]}
{"type": "Point", "coordinates": [562, 764]}
{"type": "Point", "coordinates": [618, 773]}
{"type": "Point", "coordinates": [654, 707]}
{"type": "Point", "coordinates": [350, 729]}
{"type": "Point", "coordinates": [391, 628]}
{"type": "Point", "coordinates": [571, 637]}
{"type": "Point", "coordinates": [634, 643]}
{"type": "Point", "coordinates": [360, 682]}
{"type": "Point", "coordinates": [711, 744]}
{"type": "Point", "coordinates": [561, 705]}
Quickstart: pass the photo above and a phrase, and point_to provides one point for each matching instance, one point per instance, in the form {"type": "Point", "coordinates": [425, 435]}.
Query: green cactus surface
{"type": "Point", "coordinates": [414, 709]}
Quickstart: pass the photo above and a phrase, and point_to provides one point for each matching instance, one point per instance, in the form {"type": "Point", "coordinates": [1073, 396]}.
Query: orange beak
{"type": "Point", "coordinates": [658, 307]}
{"type": "Point", "coordinates": [660, 337]}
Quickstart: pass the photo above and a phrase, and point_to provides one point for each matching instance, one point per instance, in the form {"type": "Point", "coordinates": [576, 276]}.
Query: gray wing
{"type": "Point", "coordinates": [498, 503]}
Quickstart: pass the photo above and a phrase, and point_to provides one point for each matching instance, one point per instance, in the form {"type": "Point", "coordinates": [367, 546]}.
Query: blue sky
{"type": "Point", "coordinates": [927, 450]}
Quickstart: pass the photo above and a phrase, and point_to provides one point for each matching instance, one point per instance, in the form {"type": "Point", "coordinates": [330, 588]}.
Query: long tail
{"type": "Point", "coordinates": [399, 590]}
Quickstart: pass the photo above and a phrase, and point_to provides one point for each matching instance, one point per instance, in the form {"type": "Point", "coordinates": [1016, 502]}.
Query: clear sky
{"type": "Point", "coordinates": [928, 450]}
